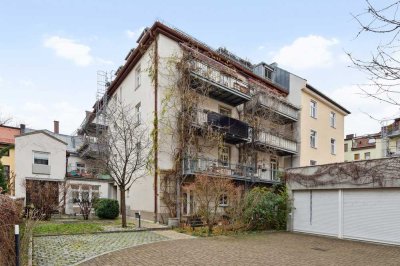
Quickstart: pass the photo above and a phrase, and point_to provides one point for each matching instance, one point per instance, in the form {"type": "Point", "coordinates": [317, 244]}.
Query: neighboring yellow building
{"type": "Point", "coordinates": [321, 128]}
{"type": "Point", "coordinates": [7, 139]}
{"type": "Point", "coordinates": [364, 147]}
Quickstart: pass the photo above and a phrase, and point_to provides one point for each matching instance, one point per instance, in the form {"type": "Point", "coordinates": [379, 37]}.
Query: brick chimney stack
{"type": "Point", "coordinates": [56, 127]}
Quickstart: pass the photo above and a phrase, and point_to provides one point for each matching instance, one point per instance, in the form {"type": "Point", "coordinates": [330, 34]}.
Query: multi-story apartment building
{"type": "Point", "coordinates": [209, 113]}
{"type": "Point", "coordinates": [363, 147]}
{"type": "Point", "coordinates": [7, 139]}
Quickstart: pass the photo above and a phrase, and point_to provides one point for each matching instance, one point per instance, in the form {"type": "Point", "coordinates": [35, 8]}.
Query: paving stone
{"type": "Point", "coordinates": [70, 249]}
{"type": "Point", "coordinates": [280, 248]}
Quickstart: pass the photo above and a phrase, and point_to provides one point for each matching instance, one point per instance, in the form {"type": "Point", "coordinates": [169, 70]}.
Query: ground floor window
{"type": "Point", "coordinates": [223, 200]}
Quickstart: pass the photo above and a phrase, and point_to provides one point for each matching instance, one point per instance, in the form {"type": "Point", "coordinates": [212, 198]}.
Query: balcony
{"type": "Point", "coordinates": [234, 131]}
{"type": "Point", "coordinates": [266, 140]}
{"type": "Point", "coordinates": [89, 149]}
{"type": "Point", "coordinates": [210, 167]}
{"type": "Point", "coordinates": [264, 104]}
{"type": "Point", "coordinates": [79, 172]}
{"type": "Point", "coordinates": [219, 86]}
{"type": "Point", "coordinates": [392, 133]}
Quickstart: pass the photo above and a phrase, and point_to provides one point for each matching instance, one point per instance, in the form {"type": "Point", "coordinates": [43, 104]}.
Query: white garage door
{"type": "Point", "coordinates": [316, 211]}
{"type": "Point", "coordinates": [372, 214]}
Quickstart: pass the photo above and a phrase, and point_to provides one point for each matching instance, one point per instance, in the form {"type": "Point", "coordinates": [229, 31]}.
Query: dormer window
{"type": "Point", "coordinates": [268, 73]}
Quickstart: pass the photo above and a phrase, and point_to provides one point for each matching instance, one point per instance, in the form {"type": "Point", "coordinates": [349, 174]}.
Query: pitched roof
{"type": "Point", "coordinates": [43, 132]}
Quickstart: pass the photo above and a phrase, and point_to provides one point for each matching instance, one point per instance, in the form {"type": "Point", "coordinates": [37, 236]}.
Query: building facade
{"type": "Point", "coordinates": [363, 147]}
{"type": "Point", "coordinates": [210, 113]}
{"type": "Point", "coordinates": [46, 159]}
{"type": "Point", "coordinates": [7, 140]}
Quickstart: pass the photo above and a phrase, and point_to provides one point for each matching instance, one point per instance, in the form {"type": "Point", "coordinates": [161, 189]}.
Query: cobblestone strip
{"type": "Point", "coordinates": [69, 250]}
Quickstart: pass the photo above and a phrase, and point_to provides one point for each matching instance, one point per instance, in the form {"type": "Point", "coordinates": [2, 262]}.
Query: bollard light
{"type": "Point", "coordinates": [16, 230]}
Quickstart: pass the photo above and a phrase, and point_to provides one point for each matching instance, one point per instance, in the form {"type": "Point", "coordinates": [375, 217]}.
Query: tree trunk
{"type": "Point", "coordinates": [123, 207]}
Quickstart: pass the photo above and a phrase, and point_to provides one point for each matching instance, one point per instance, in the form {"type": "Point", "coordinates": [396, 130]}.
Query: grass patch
{"type": "Point", "coordinates": [50, 228]}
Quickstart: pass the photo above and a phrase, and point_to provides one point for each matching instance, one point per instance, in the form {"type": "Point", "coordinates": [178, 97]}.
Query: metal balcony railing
{"type": "Point", "coordinates": [227, 89]}
{"type": "Point", "coordinates": [276, 142]}
{"type": "Point", "coordinates": [281, 107]}
{"type": "Point", "coordinates": [234, 129]}
{"type": "Point", "coordinates": [215, 167]}
{"type": "Point", "coordinates": [73, 171]}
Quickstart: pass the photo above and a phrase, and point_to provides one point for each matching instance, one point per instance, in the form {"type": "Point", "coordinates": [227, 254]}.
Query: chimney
{"type": "Point", "coordinates": [22, 128]}
{"type": "Point", "coordinates": [56, 127]}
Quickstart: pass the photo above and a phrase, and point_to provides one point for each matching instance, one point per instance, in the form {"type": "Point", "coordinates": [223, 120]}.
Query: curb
{"type": "Point", "coordinates": [110, 232]}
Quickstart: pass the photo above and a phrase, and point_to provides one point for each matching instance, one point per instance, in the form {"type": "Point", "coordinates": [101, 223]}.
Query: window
{"type": "Point", "coordinates": [138, 79]}
{"type": "Point", "coordinates": [225, 80]}
{"type": "Point", "coordinates": [333, 119]}
{"type": "Point", "coordinates": [313, 139]}
{"type": "Point", "coordinates": [80, 168]}
{"type": "Point", "coordinates": [6, 169]}
{"type": "Point", "coordinates": [41, 158]}
{"type": "Point", "coordinates": [225, 111]}
{"type": "Point", "coordinates": [223, 200]}
{"type": "Point", "coordinates": [274, 168]}
{"type": "Point", "coordinates": [75, 193]}
{"type": "Point", "coordinates": [367, 155]}
{"type": "Point", "coordinates": [138, 151]}
{"type": "Point", "coordinates": [346, 147]}
{"type": "Point", "coordinates": [356, 157]}
{"type": "Point", "coordinates": [138, 111]}
{"type": "Point", "coordinates": [268, 73]}
{"type": "Point", "coordinates": [224, 155]}
{"type": "Point", "coordinates": [312, 162]}
{"type": "Point", "coordinates": [313, 109]}
{"type": "Point", "coordinates": [95, 193]}
{"type": "Point", "coordinates": [7, 152]}
{"type": "Point", "coordinates": [333, 146]}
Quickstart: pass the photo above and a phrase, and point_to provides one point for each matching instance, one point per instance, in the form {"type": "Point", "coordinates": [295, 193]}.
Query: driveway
{"type": "Point", "coordinates": [279, 248]}
{"type": "Point", "coordinates": [71, 249]}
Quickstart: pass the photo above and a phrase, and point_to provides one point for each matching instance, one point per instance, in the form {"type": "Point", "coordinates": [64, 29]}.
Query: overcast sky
{"type": "Point", "coordinates": [50, 51]}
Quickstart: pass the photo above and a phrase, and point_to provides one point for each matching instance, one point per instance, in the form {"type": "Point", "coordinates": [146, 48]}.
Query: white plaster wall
{"type": "Point", "coordinates": [104, 190]}
{"type": "Point", "coordinates": [24, 147]}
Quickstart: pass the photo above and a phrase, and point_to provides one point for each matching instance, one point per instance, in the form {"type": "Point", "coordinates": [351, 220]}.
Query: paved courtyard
{"type": "Point", "coordinates": [256, 249]}
{"type": "Point", "coordinates": [71, 249]}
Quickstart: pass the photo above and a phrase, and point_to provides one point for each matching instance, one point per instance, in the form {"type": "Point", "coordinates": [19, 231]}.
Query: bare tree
{"type": "Point", "coordinates": [212, 195]}
{"type": "Point", "coordinates": [124, 148]}
{"type": "Point", "coordinates": [383, 68]}
{"type": "Point", "coordinates": [4, 120]}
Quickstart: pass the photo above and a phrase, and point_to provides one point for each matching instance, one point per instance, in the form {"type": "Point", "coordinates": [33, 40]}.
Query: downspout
{"type": "Point", "coordinates": [155, 128]}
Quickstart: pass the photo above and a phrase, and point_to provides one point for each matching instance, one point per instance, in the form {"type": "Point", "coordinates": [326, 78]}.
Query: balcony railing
{"type": "Point", "coordinates": [269, 140]}
{"type": "Point", "coordinates": [212, 167]}
{"type": "Point", "coordinates": [223, 87]}
{"type": "Point", "coordinates": [217, 168]}
{"type": "Point", "coordinates": [283, 109]}
{"type": "Point", "coordinates": [41, 169]}
{"type": "Point", "coordinates": [268, 174]}
{"type": "Point", "coordinates": [235, 131]}
{"type": "Point", "coordinates": [86, 173]}
{"type": "Point", "coordinates": [393, 132]}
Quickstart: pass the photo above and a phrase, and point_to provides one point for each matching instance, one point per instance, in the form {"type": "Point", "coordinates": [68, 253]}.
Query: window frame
{"type": "Point", "coordinates": [138, 77]}
{"type": "Point", "coordinates": [313, 135]}
{"type": "Point", "coordinates": [223, 200]}
{"type": "Point", "coordinates": [332, 119]}
{"type": "Point", "coordinates": [356, 155]}
{"type": "Point", "coordinates": [346, 147]}
{"type": "Point", "coordinates": [227, 154]}
{"type": "Point", "coordinates": [313, 109]}
{"type": "Point", "coordinates": [333, 146]}
{"type": "Point", "coordinates": [138, 113]}
{"type": "Point", "coordinates": [40, 152]}
{"type": "Point", "coordinates": [225, 111]}
{"type": "Point", "coordinates": [365, 155]}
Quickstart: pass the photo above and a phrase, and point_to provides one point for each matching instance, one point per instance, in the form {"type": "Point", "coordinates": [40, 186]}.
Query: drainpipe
{"type": "Point", "coordinates": [155, 127]}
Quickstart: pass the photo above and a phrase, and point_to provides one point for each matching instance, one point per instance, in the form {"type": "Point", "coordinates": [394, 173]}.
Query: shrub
{"type": "Point", "coordinates": [264, 209]}
{"type": "Point", "coordinates": [9, 216]}
{"type": "Point", "coordinates": [107, 208]}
